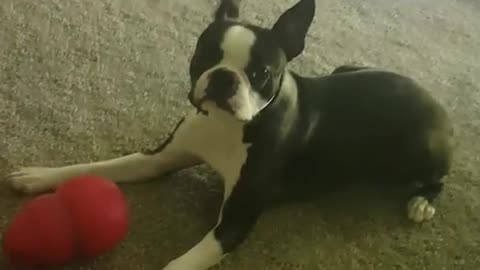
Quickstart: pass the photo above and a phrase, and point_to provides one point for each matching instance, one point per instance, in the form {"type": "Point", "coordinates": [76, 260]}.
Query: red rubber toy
{"type": "Point", "coordinates": [98, 212]}
{"type": "Point", "coordinates": [86, 217]}
{"type": "Point", "coordinates": [41, 234]}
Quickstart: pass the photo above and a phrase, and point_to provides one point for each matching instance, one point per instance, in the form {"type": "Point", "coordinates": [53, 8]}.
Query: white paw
{"type": "Point", "coordinates": [420, 210]}
{"type": "Point", "coordinates": [35, 179]}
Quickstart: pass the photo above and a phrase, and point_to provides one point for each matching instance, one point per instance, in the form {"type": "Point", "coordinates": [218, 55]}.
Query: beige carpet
{"type": "Point", "coordinates": [83, 80]}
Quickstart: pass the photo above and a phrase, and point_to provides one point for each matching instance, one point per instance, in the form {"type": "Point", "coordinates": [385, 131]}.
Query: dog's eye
{"type": "Point", "coordinates": [259, 76]}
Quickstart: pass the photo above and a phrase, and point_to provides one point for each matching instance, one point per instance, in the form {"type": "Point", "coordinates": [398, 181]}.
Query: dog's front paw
{"type": "Point", "coordinates": [420, 210]}
{"type": "Point", "coordinates": [35, 179]}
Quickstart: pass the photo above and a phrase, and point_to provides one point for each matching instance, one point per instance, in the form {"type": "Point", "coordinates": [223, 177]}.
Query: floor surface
{"type": "Point", "coordinates": [88, 80]}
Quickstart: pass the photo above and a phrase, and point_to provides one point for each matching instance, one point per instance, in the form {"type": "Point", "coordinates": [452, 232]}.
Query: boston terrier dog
{"type": "Point", "coordinates": [274, 135]}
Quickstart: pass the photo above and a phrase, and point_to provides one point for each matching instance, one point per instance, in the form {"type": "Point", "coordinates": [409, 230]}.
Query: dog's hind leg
{"type": "Point", "coordinates": [435, 168]}
{"type": "Point", "coordinates": [420, 208]}
{"type": "Point", "coordinates": [171, 155]}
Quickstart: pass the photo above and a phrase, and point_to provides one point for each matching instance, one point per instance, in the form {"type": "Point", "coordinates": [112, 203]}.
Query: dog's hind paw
{"type": "Point", "coordinates": [420, 210]}
{"type": "Point", "coordinates": [35, 179]}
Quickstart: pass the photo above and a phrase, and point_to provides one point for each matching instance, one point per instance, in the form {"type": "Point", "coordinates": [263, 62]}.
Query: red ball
{"type": "Point", "coordinates": [98, 211]}
{"type": "Point", "coordinates": [40, 235]}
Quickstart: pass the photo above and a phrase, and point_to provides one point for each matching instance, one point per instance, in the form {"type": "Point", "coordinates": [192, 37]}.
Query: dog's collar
{"type": "Point", "coordinates": [274, 95]}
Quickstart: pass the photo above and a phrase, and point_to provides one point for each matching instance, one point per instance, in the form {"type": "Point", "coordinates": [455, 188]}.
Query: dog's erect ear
{"type": "Point", "coordinates": [227, 10]}
{"type": "Point", "coordinates": [292, 27]}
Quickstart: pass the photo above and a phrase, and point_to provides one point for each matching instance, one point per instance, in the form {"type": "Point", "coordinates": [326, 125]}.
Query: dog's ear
{"type": "Point", "coordinates": [292, 27]}
{"type": "Point", "coordinates": [227, 10]}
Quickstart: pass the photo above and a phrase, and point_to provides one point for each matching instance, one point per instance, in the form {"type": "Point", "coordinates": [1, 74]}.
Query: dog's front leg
{"type": "Point", "coordinates": [238, 215]}
{"type": "Point", "coordinates": [172, 155]}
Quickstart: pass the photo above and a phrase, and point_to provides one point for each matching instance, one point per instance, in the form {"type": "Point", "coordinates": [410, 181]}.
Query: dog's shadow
{"type": "Point", "coordinates": [302, 235]}
{"type": "Point", "coordinates": [173, 214]}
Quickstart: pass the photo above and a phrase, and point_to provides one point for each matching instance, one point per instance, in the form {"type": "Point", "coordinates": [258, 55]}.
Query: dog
{"type": "Point", "coordinates": [274, 135]}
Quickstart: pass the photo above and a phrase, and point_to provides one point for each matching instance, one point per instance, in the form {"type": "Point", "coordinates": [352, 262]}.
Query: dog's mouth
{"type": "Point", "coordinates": [242, 103]}
{"type": "Point", "coordinates": [197, 104]}
{"type": "Point", "coordinates": [225, 106]}
{"type": "Point", "coordinates": [243, 108]}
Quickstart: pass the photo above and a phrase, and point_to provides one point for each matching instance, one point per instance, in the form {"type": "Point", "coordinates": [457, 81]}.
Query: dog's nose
{"type": "Point", "coordinates": [222, 85]}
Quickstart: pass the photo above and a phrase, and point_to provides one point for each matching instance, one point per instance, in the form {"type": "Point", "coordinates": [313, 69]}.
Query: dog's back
{"type": "Point", "coordinates": [380, 125]}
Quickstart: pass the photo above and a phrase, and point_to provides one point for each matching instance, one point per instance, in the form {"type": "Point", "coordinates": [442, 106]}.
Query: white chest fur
{"type": "Point", "coordinates": [218, 141]}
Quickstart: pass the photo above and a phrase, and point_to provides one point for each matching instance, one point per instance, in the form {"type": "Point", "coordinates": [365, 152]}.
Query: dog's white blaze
{"type": "Point", "coordinates": [236, 45]}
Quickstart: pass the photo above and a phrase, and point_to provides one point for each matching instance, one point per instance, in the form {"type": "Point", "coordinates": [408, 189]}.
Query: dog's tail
{"type": "Point", "coordinates": [228, 10]}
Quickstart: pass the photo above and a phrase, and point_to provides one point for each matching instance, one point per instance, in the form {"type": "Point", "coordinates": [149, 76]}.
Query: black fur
{"type": "Point", "coordinates": [221, 88]}
{"type": "Point", "coordinates": [373, 126]}
{"type": "Point", "coordinates": [227, 9]}
{"type": "Point", "coordinates": [291, 28]}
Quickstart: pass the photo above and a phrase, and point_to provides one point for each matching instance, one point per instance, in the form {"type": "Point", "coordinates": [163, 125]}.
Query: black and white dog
{"type": "Point", "coordinates": [274, 135]}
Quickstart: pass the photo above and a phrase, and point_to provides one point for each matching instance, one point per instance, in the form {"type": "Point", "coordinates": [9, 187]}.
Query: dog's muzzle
{"type": "Point", "coordinates": [219, 86]}
{"type": "Point", "coordinates": [229, 91]}
{"type": "Point", "coordinates": [222, 86]}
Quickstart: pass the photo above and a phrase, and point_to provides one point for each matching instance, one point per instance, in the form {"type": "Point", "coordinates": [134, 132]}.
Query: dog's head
{"type": "Point", "coordinates": [238, 67]}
